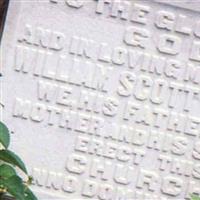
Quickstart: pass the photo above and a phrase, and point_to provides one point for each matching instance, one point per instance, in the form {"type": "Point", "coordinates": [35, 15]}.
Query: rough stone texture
{"type": "Point", "coordinates": [186, 4]}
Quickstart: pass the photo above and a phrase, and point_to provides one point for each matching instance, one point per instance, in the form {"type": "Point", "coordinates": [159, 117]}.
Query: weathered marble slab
{"type": "Point", "coordinates": [103, 97]}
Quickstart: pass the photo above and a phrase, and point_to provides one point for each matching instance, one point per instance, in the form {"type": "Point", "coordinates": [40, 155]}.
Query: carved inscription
{"type": "Point", "coordinates": [131, 106]}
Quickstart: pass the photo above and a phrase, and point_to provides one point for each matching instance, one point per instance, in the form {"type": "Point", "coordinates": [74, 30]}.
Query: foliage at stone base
{"type": "Point", "coordinates": [194, 197]}
{"type": "Point", "coordinates": [10, 183]}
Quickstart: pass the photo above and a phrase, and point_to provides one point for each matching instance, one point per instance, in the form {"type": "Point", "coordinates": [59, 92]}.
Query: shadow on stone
{"type": "Point", "coordinates": [3, 10]}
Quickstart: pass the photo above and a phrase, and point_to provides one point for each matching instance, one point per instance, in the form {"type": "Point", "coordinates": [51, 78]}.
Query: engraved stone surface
{"type": "Point", "coordinates": [103, 97]}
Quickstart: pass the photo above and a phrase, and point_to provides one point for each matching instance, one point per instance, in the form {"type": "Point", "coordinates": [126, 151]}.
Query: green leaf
{"type": "Point", "coordinates": [4, 135]}
{"type": "Point", "coordinates": [194, 197]}
{"type": "Point", "coordinates": [14, 186]}
{"type": "Point", "coordinates": [6, 171]}
{"type": "Point", "coordinates": [12, 158]}
{"type": "Point", "coordinates": [29, 194]}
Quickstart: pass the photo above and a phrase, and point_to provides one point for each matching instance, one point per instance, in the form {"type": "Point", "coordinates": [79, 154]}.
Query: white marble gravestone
{"type": "Point", "coordinates": [103, 97]}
